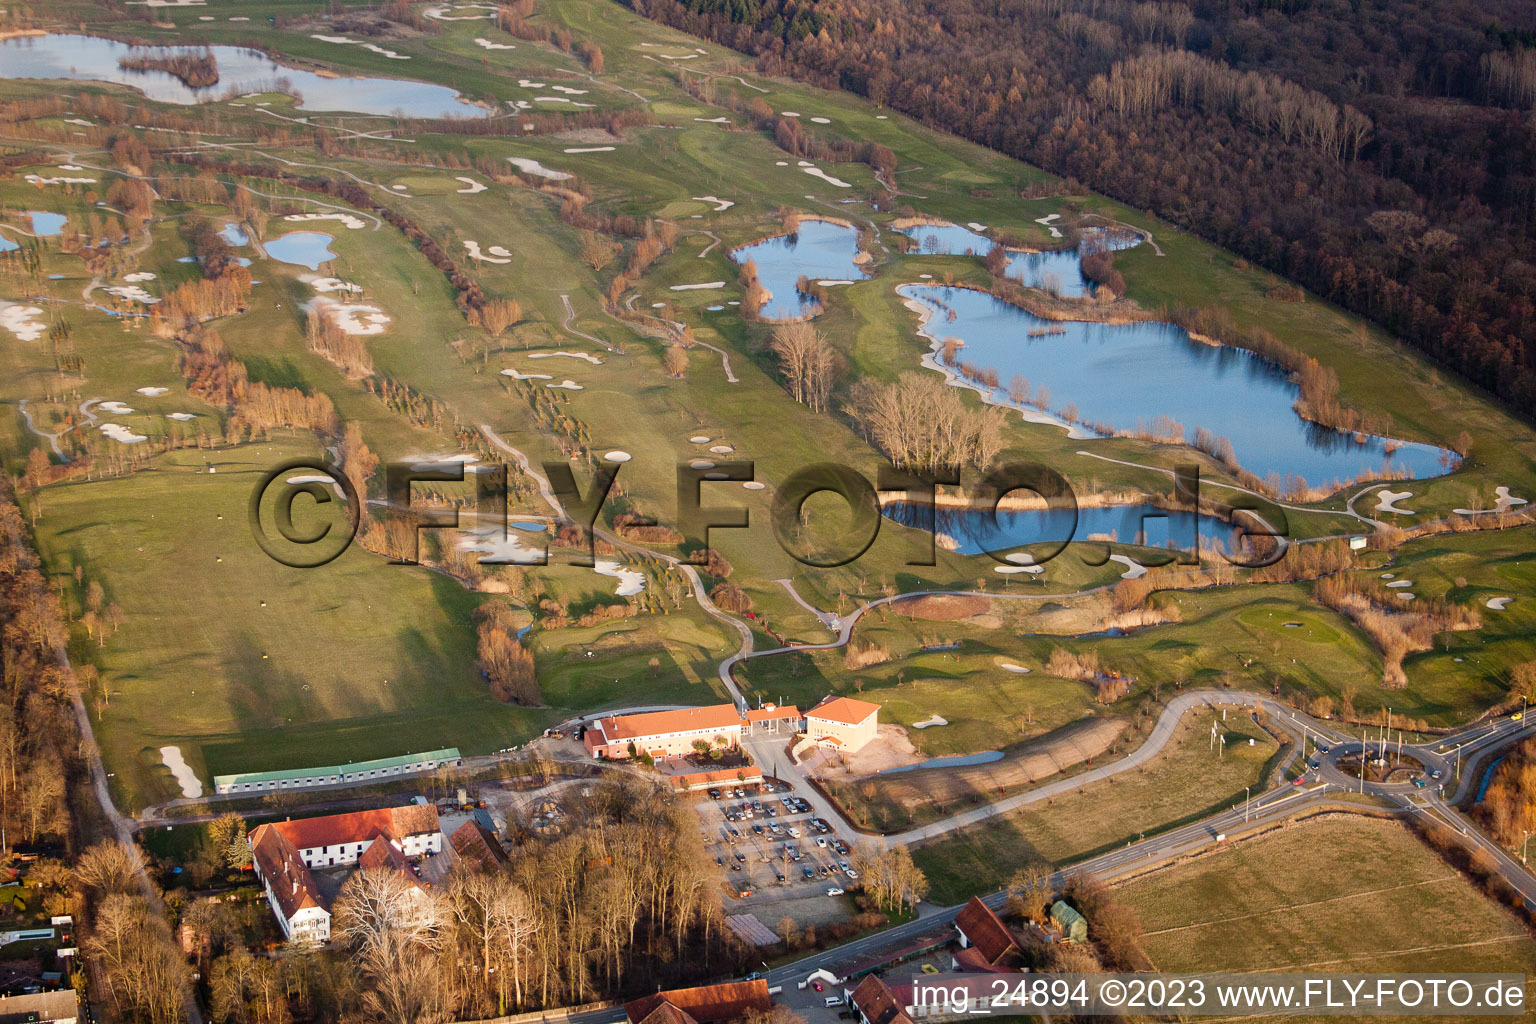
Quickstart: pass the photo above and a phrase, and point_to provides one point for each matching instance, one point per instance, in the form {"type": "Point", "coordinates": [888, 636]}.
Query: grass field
{"type": "Point", "coordinates": [1187, 781]}
{"type": "Point", "coordinates": [396, 665]}
{"type": "Point", "coordinates": [1341, 894]}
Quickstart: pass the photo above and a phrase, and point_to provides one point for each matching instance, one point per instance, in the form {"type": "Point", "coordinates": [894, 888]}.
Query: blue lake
{"type": "Point", "coordinates": [6, 245]}
{"type": "Point", "coordinates": [820, 250]}
{"type": "Point", "coordinates": [88, 58]}
{"type": "Point", "coordinates": [234, 235]}
{"type": "Point", "coordinates": [948, 240]}
{"type": "Point", "coordinates": [302, 248]}
{"type": "Point", "coordinates": [957, 761]}
{"type": "Point", "coordinates": [976, 531]}
{"type": "Point", "coordinates": [1127, 376]}
{"type": "Point", "coordinates": [1061, 272]}
{"type": "Point", "coordinates": [47, 223]}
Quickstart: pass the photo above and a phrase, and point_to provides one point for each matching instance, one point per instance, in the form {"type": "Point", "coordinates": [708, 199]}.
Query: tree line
{"type": "Point", "coordinates": [1277, 137]}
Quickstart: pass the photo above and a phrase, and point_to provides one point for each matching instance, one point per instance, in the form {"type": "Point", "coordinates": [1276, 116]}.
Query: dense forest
{"type": "Point", "coordinates": [1380, 152]}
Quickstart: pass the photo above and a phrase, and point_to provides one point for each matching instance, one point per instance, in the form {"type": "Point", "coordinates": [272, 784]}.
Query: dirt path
{"type": "Point", "coordinates": [699, 594]}
{"type": "Point", "coordinates": [570, 315]}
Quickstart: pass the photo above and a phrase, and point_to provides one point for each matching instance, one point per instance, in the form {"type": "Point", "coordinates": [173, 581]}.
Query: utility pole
{"type": "Point", "coordinates": [1363, 753]}
{"type": "Point", "coordinates": [1245, 804]}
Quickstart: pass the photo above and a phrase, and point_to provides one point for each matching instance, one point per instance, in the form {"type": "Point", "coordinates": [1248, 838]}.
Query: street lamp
{"type": "Point", "coordinates": [1525, 843]}
{"type": "Point", "coordinates": [1245, 804]}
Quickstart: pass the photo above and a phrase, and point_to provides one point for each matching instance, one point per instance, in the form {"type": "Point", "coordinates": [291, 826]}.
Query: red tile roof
{"type": "Point", "coordinates": [383, 855]}
{"type": "Point", "coordinates": [282, 868]}
{"type": "Point", "coordinates": [660, 723]}
{"type": "Point", "coordinates": [705, 1004]}
{"type": "Point", "coordinates": [732, 776]}
{"type": "Point", "coordinates": [986, 931]}
{"type": "Point", "coordinates": [768, 714]}
{"type": "Point", "coordinates": [359, 826]}
{"type": "Point", "coordinates": [877, 1003]}
{"type": "Point", "coordinates": [477, 847]}
{"type": "Point", "coordinates": [843, 710]}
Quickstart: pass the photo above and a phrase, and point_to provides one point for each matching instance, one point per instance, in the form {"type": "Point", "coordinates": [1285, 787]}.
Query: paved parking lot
{"type": "Point", "coordinates": [770, 858]}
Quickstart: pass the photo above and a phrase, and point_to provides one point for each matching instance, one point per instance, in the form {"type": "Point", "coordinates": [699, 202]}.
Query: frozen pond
{"type": "Point", "coordinates": [47, 223]}
{"type": "Point", "coordinates": [957, 761]}
{"type": "Point", "coordinates": [820, 251]}
{"type": "Point", "coordinates": [947, 240]}
{"type": "Point", "coordinates": [88, 58]}
{"type": "Point", "coordinates": [302, 248]}
{"type": "Point", "coordinates": [1061, 272]}
{"type": "Point", "coordinates": [1150, 376]}
{"type": "Point", "coordinates": [975, 531]}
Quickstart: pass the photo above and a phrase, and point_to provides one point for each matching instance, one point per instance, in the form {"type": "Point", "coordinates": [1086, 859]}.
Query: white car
{"type": "Point", "coordinates": [834, 891]}
{"type": "Point", "coordinates": [821, 842]}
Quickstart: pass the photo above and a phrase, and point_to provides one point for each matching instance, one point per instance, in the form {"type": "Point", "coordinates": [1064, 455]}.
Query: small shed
{"type": "Point", "coordinates": [1072, 924]}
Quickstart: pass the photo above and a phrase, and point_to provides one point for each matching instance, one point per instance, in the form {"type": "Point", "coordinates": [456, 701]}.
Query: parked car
{"type": "Point", "coordinates": [817, 986]}
{"type": "Point", "coordinates": [851, 873]}
{"type": "Point", "coordinates": [834, 891]}
{"type": "Point", "coordinates": [757, 830]}
{"type": "Point", "coordinates": [821, 842]}
{"type": "Point", "coordinates": [810, 873]}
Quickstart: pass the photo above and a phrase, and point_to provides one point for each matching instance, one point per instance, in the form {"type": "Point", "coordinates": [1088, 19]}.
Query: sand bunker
{"type": "Point", "coordinates": [821, 120]}
{"type": "Point", "coordinates": [118, 432]}
{"type": "Point", "coordinates": [346, 218]}
{"type": "Point", "coordinates": [474, 186]}
{"type": "Point", "coordinates": [1503, 502]}
{"type": "Point", "coordinates": [1498, 604]}
{"type": "Point", "coordinates": [701, 464]}
{"type": "Point", "coordinates": [824, 176]}
{"type": "Point", "coordinates": [20, 320]}
{"type": "Point", "coordinates": [115, 408]}
{"type": "Point", "coordinates": [789, 113]}
{"type": "Point", "coordinates": [186, 778]}
{"type": "Point", "coordinates": [569, 355]}
{"type": "Point", "coordinates": [500, 545]}
{"type": "Point", "coordinates": [183, 416]}
{"type": "Point", "coordinates": [1018, 670]}
{"type": "Point", "coordinates": [700, 439]}
{"type": "Point", "coordinates": [137, 276]}
{"type": "Point", "coordinates": [1406, 597]}
{"type": "Point", "coordinates": [630, 581]}
{"type": "Point", "coordinates": [473, 247]}
{"type": "Point", "coordinates": [70, 167]}
{"type": "Point", "coordinates": [754, 485]}
{"type": "Point", "coordinates": [618, 456]}
{"type": "Point", "coordinates": [153, 392]}
{"type": "Point", "coordinates": [517, 375]}
{"type": "Point", "coordinates": [325, 285]}
{"type": "Point", "coordinates": [702, 286]}
{"type": "Point", "coordinates": [722, 449]}
{"type": "Point", "coordinates": [1401, 583]}
{"type": "Point", "coordinates": [930, 721]}
{"type": "Point", "coordinates": [528, 166]}
{"type": "Point", "coordinates": [720, 204]}
{"type": "Point", "coordinates": [1386, 501]}
{"type": "Point", "coordinates": [132, 293]}
{"type": "Point", "coordinates": [33, 179]}
{"type": "Point", "coordinates": [1046, 223]}
{"type": "Point", "coordinates": [350, 318]}
{"type": "Point", "coordinates": [565, 385]}
{"type": "Point", "coordinates": [714, 120]}
{"type": "Point", "coordinates": [1135, 571]}
{"type": "Point", "coordinates": [440, 12]}
{"type": "Point", "coordinates": [590, 149]}
{"type": "Point", "coordinates": [493, 46]}
{"type": "Point", "coordinates": [569, 92]}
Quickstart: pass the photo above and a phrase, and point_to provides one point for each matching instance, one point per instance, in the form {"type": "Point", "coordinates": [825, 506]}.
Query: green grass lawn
{"type": "Point", "coordinates": [384, 656]}
{"type": "Point", "coordinates": [1342, 894]}
{"type": "Point", "coordinates": [1186, 782]}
